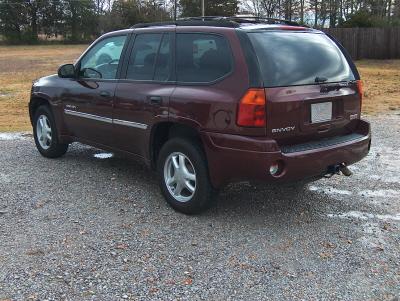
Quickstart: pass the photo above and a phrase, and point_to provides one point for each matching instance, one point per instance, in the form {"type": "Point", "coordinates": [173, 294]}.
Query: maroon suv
{"type": "Point", "coordinates": [209, 101]}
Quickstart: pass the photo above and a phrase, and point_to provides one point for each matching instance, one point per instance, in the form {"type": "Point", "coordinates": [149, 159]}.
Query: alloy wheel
{"type": "Point", "coordinates": [43, 132]}
{"type": "Point", "coordinates": [180, 177]}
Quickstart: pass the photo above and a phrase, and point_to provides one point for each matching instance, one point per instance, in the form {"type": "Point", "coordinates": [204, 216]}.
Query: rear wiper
{"type": "Point", "coordinates": [335, 86]}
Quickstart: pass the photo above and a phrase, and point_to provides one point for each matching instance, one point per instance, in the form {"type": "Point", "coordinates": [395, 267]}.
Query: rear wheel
{"type": "Point", "coordinates": [183, 176]}
{"type": "Point", "coordinates": [45, 134]}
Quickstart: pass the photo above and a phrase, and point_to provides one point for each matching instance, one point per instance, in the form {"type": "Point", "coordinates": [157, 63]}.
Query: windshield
{"type": "Point", "coordinates": [299, 58]}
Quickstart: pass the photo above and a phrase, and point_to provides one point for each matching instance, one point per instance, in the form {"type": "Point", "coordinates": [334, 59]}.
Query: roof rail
{"type": "Point", "coordinates": [249, 19]}
{"type": "Point", "coordinates": [217, 21]}
{"type": "Point", "coordinates": [187, 22]}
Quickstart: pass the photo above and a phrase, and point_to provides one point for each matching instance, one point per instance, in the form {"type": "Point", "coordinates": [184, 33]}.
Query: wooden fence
{"type": "Point", "coordinates": [369, 43]}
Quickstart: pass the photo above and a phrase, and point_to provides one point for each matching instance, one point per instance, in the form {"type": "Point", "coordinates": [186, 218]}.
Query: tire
{"type": "Point", "coordinates": [195, 164]}
{"type": "Point", "coordinates": [45, 134]}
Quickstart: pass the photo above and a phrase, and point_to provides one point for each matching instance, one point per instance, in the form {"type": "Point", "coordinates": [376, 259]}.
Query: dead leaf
{"type": "Point", "coordinates": [122, 246]}
{"type": "Point", "coordinates": [325, 255]}
{"type": "Point", "coordinates": [188, 281]}
{"type": "Point", "coordinates": [40, 204]}
{"type": "Point", "coordinates": [126, 226]}
{"type": "Point", "coordinates": [328, 245]}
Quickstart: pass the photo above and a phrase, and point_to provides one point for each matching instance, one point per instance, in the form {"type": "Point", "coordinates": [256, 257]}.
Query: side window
{"type": "Point", "coordinates": [202, 57]}
{"type": "Point", "coordinates": [164, 59]}
{"type": "Point", "coordinates": [102, 60]}
{"type": "Point", "coordinates": [143, 56]}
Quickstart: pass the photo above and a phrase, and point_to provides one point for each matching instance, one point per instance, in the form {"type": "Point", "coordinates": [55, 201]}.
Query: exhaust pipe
{"type": "Point", "coordinates": [337, 169]}
{"type": "Point", "coordinates": [345, 170]}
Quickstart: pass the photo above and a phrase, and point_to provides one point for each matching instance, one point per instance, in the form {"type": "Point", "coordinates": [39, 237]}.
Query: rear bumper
{"type": "Point", "coordinates": [236, 158]}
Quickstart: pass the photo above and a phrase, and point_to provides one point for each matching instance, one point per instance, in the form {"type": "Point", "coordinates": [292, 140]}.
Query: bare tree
{"type": "Point", "coordinates": [396, 9]}
{"type": "Point", "coordinates": [270, 7]}
{"type": "Point", "coordinates": [302, 7]}
{"type": "Point", "coordinates": [253, 7]}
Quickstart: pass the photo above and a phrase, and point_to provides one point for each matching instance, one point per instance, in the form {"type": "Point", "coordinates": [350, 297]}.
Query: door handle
{"type": "Point", "coordinates": [324, 128]}
{"type": "Point", "coordinates": [155, 99]}
{"type": "Point", "coordinates": [105, 94]}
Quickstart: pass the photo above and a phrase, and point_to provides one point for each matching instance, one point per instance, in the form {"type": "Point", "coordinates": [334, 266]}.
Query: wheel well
{"type": "Point", "coordinates": [168, 130]}
{"type": "Point", "coordinates": [34, 104]}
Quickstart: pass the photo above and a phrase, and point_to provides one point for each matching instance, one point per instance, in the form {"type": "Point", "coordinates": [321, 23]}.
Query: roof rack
{"type": "Point", "coordinates": [247, 19]}
{"type": "Point", "coordinates": [217, 21]}
{"type": "Point", "coordinates": [187, 23]}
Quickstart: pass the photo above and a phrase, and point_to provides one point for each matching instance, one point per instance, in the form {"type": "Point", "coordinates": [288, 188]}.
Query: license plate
{"type": "Point", "coordinates": [321, 112]}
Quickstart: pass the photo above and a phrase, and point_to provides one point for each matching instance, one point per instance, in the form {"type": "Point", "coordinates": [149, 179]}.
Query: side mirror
{"type": "Point", "coordinates": [91, 73]}
{"type": "Point", "coordinates": [66, 71]}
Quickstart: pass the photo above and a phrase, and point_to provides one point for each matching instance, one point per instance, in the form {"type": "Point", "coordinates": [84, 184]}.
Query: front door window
{"type": "Point", "coordinates": [101, 61]}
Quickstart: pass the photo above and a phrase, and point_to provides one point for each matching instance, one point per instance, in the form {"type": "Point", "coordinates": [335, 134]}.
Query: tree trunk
{"type": "Point", "coordinates": [302, 11]}
{"type": "Point", "coordinates": [33, 10]}
{"type": "Point", "coordinates": [316, 13]}
{"type": "Point", "coordinates": [396, 9]}
{"type": "Point", "coordinates": [74, 28]}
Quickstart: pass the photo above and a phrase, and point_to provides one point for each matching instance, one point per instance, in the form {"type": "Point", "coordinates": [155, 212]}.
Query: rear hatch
{"type": "Point", "coordinates": [311, 88]}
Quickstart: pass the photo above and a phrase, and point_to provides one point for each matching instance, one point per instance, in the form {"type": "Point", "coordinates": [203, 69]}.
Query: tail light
{"type": "Point", "coordinates": [251, 111]}
{"type": "Point", "coordinates": [360, 91]}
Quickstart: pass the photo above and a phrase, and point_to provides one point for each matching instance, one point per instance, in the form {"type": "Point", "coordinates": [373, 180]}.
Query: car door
{"type": "Point", "coordinates": [142, 95]}
{"type": "Point", "coordinates": [89, 100]}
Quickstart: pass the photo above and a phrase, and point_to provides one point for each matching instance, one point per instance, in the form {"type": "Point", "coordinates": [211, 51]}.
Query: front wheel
{"type": "Point", "coordinates": [183, 176]}
{"type": "Point", "coordinates": [45, 134]}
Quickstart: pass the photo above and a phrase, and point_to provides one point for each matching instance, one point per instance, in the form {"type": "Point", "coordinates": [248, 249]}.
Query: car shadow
{"type": "Point", "coordinates": [238, 200]}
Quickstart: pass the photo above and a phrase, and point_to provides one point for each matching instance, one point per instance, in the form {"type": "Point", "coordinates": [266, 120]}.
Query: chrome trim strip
{"type": "Point", "coordinates": [89, 116]}
{"type": "Point", "coordinates": [130, 123]}
{"type": "Point", "coordinates": [107, 120]}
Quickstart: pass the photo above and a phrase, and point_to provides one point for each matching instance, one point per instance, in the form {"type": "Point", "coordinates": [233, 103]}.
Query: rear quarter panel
{"type": "Point", "coordinates": [212, 106]}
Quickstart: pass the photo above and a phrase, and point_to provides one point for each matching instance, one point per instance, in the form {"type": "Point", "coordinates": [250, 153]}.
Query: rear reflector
{"type": "Point", "coordinates": [360, 91]}
{"type": "Point", "coordinates": [251, 110]}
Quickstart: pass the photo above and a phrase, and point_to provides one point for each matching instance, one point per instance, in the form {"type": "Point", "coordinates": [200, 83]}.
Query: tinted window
{"type": "Point", "coordinates": [101, 61]}
{"type": "Point", "coordinates": [202, 57]}
{"type": "Point", "coordinates": [294, 58]}
{"type": "Point", "coordinates": [163, 63]}
{"type": "Point", "coordinates": [143, 57]}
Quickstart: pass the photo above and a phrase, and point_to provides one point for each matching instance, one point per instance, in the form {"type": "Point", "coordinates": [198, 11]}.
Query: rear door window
{"type": "Point", "coordinates": [150, 58]}
{"type": "Point", "coordinates": [202, 58]}
{"type": "Point", "coordinates": [143, 57]}
{"type": "Point", "coordinates": [299, 58]}
{"type": "Point", "coordinates": [164, 60]}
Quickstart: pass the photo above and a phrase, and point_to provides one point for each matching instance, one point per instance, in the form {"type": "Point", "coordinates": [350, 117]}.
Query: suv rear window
{"type": "Point", "coordinates": [202, 57]}
{"type": "Point", "coordinates": [299, 58]}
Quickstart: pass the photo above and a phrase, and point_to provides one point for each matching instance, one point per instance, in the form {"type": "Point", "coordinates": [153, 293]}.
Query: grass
{"type": "Point", "coordinates": [19, 65]}
{"type": "Point", "coordinates": [381, 85]}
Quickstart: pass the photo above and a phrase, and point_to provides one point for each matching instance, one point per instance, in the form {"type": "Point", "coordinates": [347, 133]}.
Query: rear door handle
{"type": "Point", "coordinates": [324, 128]}
{"type": "Point", "coordinates": [155, 99]}
{"type": "Point", "coordinates": [105, 94]}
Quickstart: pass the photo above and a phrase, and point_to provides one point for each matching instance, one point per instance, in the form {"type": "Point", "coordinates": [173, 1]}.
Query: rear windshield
{"type": "Point", "coordinates": [299, 58]}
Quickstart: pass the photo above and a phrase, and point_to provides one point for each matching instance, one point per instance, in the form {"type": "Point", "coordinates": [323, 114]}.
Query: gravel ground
{"type": "Point", "coordinates": [92, 226]}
